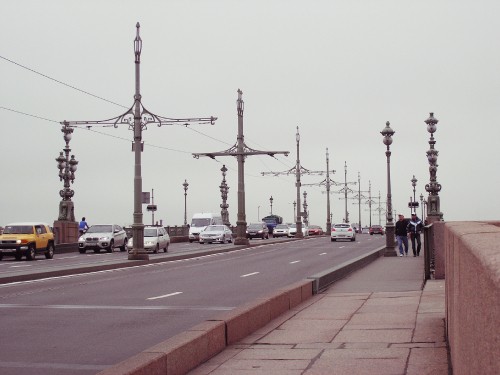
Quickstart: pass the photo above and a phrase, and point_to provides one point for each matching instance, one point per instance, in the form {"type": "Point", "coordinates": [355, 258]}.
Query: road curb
{"type": "Point", "coordinates": [189, 349]}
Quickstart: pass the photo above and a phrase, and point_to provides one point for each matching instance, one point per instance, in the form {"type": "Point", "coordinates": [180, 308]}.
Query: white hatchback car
{"type": "Point", "coordinates": [155, 239]}
{"type": "Point", "coordinates": [342, 231]}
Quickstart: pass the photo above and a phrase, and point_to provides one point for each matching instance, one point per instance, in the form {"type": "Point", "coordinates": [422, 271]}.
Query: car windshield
{"type": "Point", "coordinates": [281, 226]}
{"type": "Point", "coordinates": [203, 222]}
{"type": "Point", "coordinates": [100, 229]}
{"type": "Point", "coordinates": [150, 232]}
{"type": "Point", "coordinates": [293, 226]}
{"type": "Point", "coordinates": [214, 228]}
{"type": "Point", "coordinates": [18, 229]}
{"type": "Point", "coordinates": [255, 226]}
{"type": "Point", "coordinates": [342, 226]}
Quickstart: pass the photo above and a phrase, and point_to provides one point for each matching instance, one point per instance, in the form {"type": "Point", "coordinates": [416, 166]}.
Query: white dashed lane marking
{"type": "Point", "coordinates": [164, 296]}
{"type": "Point", "coordinates": [250, 274]}
{"type": "Point", "coordinates": [295, 261]}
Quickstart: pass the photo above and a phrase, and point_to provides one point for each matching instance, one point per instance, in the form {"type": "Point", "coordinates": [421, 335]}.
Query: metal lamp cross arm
{"type": "Point", "coordinates": [146, 118]}
{"type": "Point", "coordinates": [233, 151]}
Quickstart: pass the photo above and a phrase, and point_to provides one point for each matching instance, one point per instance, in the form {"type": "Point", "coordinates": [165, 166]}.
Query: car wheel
{"type": "Point", "coordinates": [82, 251]}
{"type": "Point", "coordinates": [156, 249]}
{"type": "Point", "coordinates": [122, 248]}
{"type": "Point", "coordinates": [353, 239]}
{"type": "Point", "coordinates": [371, 234]}
{"type": "Point", "coordinates": [1, 256]}
{"type": "Point", "coordinates": [49, 253]}
{"type": "Point", "coordinates": [31, 253]}
{"type": "Point", "coordinates": [223, 239]}
{"type": "Point", "coordinates": [190, 241]}
{"type": "Point", "coordinates": [97, 251]}
{"type": "Point", "coordinates": [334, 239]}
{"type": "Point", "coordinates": [230, 239]}
{"type": "Point", "coordinates": [18, 255]}
{"type": "Point", "coordinates": [110, 247]}
{"type": "Point", "coordinates": [166, 248]}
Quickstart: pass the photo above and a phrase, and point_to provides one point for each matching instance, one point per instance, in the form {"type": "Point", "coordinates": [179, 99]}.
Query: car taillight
{"type": "Point", "coordinates": [349, 230]}
{"type": "Point", "coordinates": [333, 229]}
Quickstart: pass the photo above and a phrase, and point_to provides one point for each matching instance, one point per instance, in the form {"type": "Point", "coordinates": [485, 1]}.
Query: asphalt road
{"type": "Point", "coordinates": [80, 324]}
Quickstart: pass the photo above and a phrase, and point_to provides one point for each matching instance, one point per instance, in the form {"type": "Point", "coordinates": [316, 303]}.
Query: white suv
{"type": "Point", "coordinates": [103, 236]}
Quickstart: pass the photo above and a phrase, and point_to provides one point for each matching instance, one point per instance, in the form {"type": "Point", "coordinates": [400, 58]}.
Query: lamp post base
{"type": "Point", "coordinates": [138, 256]}
{"type": "Point", "coordinates": [390, 242]}
{"type": "Point", "coordinates": [241, 241]}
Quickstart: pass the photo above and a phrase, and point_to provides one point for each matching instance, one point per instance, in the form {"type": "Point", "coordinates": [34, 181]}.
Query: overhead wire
{"type": "Point", "coordinates": [111, 102]}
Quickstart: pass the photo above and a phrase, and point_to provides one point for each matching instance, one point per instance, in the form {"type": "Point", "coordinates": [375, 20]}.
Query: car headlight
{"type": "Point", "coordinates": [104, 238]}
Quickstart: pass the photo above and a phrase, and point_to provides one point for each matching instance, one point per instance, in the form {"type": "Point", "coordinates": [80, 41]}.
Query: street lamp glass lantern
{"type": "Point", "coordinates": [387, 132]}
{"type": "Point", "coordinates": [72, 164]}
{"type": "Point", "coordinates": [137, 42]}
{"type": "Point", "coordinates": [414, 181]}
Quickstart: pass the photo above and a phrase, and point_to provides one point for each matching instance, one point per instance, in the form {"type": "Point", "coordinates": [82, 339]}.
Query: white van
{"type": "Point", "coordinates": [200, 221]}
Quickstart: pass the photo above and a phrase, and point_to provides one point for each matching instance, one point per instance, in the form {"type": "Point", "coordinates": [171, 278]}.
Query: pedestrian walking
{"type": "Point", "coordinates": [402, 235]}
{"type": "Point", "coordinates": [414, 228]}
{"type": "Point", "coordinates": [83, 226]}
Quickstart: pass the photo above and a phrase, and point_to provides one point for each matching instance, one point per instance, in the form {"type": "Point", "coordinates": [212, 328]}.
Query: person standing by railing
{"type": "Point", "coordinates": [414, 228]}
{"type": "Point", "coordinates": [402, 235]}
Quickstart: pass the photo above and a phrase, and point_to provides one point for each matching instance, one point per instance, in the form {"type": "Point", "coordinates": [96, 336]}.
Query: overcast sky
{"type": "Point", "coordinates": [336, 69]}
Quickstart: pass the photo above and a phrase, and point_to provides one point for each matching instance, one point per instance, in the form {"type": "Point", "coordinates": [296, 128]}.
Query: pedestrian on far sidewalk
{"type": "Point", "coordinates": [402, 235]}
{"type": "Point", "coordinates": [414, 228]}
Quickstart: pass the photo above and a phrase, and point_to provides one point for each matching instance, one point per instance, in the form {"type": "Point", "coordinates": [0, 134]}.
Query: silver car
{"type": "Point", "coordinates": [155, 239]}
{"type": "Point", "coordinates": [103, 236]}
{"type": "Point", "coordinates": [281, 230]}
{"type": "Point", "coordinates": [216, 233]}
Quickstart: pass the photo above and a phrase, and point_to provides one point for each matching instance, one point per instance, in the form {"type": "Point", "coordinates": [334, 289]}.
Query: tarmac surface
{"type": "Point", "coordinates": [381, 319]}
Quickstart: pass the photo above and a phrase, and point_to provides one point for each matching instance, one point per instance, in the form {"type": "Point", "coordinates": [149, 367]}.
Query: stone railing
{"type": "Point", "coordinates": [472, 263]}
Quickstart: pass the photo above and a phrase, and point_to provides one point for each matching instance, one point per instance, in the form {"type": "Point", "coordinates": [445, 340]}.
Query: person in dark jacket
{"type": "Point", "coordinates": [414, 228]}
{"type": "Point", "coordinates": [402, 235]}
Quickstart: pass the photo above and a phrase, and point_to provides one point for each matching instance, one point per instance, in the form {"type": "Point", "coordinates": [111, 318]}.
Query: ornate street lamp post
{"type": "Point", "coordinates": [390, 250]}
{"type": "Point", "coordinates": [271, 203]}
{"type": "Point", "coordinates": [306, 215]}
{"type": "Point", "coordinates": [422, 207]}
{"type": "Point", "coordinates": [415, 204]}
{"type": "Point", "coordinates": [137, 118]}
{"type": "Point", "coordinates": [185, 185]}
{"type": "Point", "coordinates": [224, 190]}
{"type": "Point", "coordinates": [294, 205]}
{"type": "Point", "coordinates": [433, 188]}
{"type": "Point", "coordinates": [67, 228]}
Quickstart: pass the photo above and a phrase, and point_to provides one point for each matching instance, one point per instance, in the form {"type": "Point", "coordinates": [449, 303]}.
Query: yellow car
{"type": "Point", "coordinates": [27, 239]}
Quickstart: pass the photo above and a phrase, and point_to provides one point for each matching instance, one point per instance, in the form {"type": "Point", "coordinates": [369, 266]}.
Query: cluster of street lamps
{"type": "Point", "coordinates": [433, 187]}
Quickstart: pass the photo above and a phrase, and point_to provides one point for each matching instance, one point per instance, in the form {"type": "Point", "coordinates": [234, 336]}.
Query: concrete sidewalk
{"type": "Point", "coordinates": [378, 320]}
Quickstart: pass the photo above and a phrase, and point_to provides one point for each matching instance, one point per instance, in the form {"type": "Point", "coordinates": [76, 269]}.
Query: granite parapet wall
{"type": "Point", "coordinates": [472, 261]}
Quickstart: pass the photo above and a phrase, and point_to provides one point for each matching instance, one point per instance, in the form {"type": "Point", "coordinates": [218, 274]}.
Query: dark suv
{"type": "Point", "coordinates": [376, 229]}
{"type": "Point", "coordinates": [258, 230]}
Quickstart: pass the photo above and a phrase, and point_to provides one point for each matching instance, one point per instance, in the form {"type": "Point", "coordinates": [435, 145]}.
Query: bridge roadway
{"type": "Point", "coordinates": [85, 322]}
